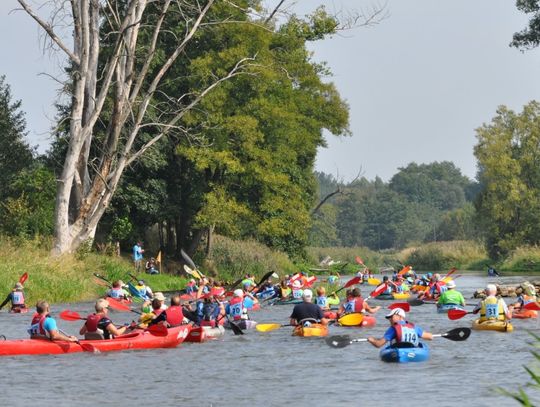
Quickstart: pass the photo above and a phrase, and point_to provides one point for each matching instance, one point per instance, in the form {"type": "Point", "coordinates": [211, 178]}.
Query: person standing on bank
{"type": "Point", "coordinates": [138, 256]}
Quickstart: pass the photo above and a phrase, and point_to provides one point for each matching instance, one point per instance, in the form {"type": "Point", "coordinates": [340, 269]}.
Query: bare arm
{"type": "Point", "coordinates": [376, 342]}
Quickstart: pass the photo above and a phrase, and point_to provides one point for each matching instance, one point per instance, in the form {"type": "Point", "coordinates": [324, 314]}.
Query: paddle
{"type": "Point", "coordinates": [192, 272]}
{"type": "Point", "coordinates": [404, 270]}
{"type": "Point", "coordinates": [454, 314]}
{"type": "Point", "coordinates": [85, 346]}
{"type": "Point", "coordinates": [233, 285]}
{"type": "Point", "coordinates": [377, 291]}
{"type": "Point", "coordinates": [403, 305]}
{"type": "Point", "coordinates": [352, 281]}
{"type": "Point", "coordinates": [532, 306]}
{"type": "Point", "coordinates": [100, 277]}
{"type": "Point", "coordinates": [341, 341]}
{"type": "Point", "coordinates": [192, 265]}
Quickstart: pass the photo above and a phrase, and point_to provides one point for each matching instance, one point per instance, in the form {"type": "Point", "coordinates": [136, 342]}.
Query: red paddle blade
{"type": "Point", "coordinates": [187, 297]}
{"type": "Point", "coordinates": [117, 305]}
{"type": "Point", "coordinates": [378, 290]}
{"type": "Point", "coordinates": [359, 260]}
{"type": "Point", "coordinates": [158, 330]}
{"type": "Point", "coordinates": [88, 347]}
{"type": "Point", "coordinates": [403, 305]}
{"type": "Point", "coordinates": [404, 270]}
{"type": "Point", "coordinates": [352, 281]}
{"type": "Point", "coordinates": [532, 305]}
{"type": "Point", "coordinates": [68, 315]}
{"type": "Point", "coordinates": [23, 278]}
{"type": "Point", "coordinates": [456, 314]}
{"type": "Point", "coordinates": [100, 282]}
{"type": "Point", "coordinates": [310, 281]}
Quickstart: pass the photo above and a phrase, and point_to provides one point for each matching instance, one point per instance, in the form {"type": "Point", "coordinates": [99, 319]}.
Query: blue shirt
{"type": "Point", "coordinates": [137, 253]}
{"type": "Point", "coordinates": [50, 325]}
{"type": "Point", "coordinates": [391, 334]}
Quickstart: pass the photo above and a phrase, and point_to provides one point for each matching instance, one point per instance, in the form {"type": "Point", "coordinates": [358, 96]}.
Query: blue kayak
{"type": "Point", "coordinates": [135, 293]}
{"type": "Point", "coordinates": [443, 309]}
{"type": "Point", "coordinates": [405, 354]}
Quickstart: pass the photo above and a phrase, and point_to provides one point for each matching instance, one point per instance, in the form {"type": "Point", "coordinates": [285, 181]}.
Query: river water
{"type": "Point", "coordinates": [275, 368]}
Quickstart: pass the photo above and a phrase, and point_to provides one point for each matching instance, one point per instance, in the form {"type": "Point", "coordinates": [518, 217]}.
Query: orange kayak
{"type": "Point", "coordinates": [312, 330]}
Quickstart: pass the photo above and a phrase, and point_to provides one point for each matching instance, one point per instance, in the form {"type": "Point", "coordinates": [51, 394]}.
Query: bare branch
{"type": "Point", "coordinates": [49, 30]}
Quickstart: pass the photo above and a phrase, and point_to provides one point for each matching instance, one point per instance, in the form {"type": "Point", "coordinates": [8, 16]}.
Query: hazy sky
{"type": "Point", "coordinates": [417, 84]}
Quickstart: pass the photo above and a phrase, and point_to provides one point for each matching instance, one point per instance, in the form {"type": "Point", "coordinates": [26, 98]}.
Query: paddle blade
{"type": "Point", "coordinates": [192, 272]}
{"type": "Point", "coordinates": [89, 348]}
{"type": "Point", "coordinates": [380, 289]}
{"type": "Point", "coordinates": [338, 341]}
{"type": "Point", "coordinates": [235, 328]}
{"type": "Point", "coordinates": [117, 305]}
{"type": "Point", "coordinates": [158, 330]}
{"type": "Point", "coordinates": [454, 314]}
{"type": "Point", "coordinates": [533, 306]}
{"type": "Point", "coordinates": [403, 305]}
{"type": "Point", "coordinates": [415, 302]}
{"type": "Point", "coordinates": [263, 278]}
{"type": "Point", "coordinates": [100, 282]}
{"type": "Point", "coordinates": [457, 334]}
{"type": "Point", "coordinates": [353, 281]}
{"type": "Point", "coordinates": [352, 319]}
{"type": "Point", "coordinates": [359, 260]}
{"type": "Point", "coordinates": [267, 327]}
{"type": "Point", "coordinates": [373, 281]}
{"type": "Point", "coordinates": [68, 315]}
{"type": "Point", "coordinates": [404, 270]}
{"type": "Point", "coordinates": [23, 278]}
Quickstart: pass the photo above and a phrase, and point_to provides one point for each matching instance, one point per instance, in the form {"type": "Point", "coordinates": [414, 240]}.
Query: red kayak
{"type": "Point", "coordinates": [135, 340]}
{"type": "Point", "coordinates": [199, 334]}
{"type": "Point", "coordinates": [18, 310]}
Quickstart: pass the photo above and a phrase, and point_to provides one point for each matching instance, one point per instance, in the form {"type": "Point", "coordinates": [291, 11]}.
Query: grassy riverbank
{"type": "Point", "coordinates": [67, 278]}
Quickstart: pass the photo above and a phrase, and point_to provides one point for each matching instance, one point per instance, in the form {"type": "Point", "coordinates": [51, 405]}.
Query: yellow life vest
{"type": "Point", "coordinates": [492, 309]}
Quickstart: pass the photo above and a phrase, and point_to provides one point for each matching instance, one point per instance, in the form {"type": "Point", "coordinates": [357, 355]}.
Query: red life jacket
{"type": "Point", "coordinates": [92, 322]}
{"type": "Point", "coordinates": [36, 326]}
{"type": "Point", "coordinates": [174, 315]}
{"type": "Point", "coordinates": [236, 308]}
{"type": "Point", "coordinates": [354, 305]}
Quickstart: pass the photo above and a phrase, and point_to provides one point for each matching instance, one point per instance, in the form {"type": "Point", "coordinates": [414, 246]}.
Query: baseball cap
{"type": "Point", "coordinates": [307, 294]}
{"type": "Point", "coordinates": [238, 293]}
{"type": "Point", "coordinates": [451, 284]}
{"type": "Point", "coordinates": [396, 311]}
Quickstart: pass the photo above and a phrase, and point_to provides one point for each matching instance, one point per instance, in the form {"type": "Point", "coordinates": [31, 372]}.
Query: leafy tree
{"type": "Point", "coordinates": [15, 154]}
{"type": "Point", "coordinates": [508, 153]}
{"type": "Point", "coordinates": [459, 224]}
{"type": "Point", "coordinates": [529, 37]}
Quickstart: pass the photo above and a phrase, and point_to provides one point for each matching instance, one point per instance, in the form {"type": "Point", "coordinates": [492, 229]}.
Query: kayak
{"type": "Point", "coordinates": [200, 334]}
{"type": "Point", "coordinates": [135, 340]}
{"type": "Point", "coordinates": [126, 301]}
{"type": "Point", "coordinates": [401, 296]}
{"type": "Point", "coordinates": [330, 314]}
{"type": "Point", "coordinates": [287, 302]}
{"type": "Point", "coordinates": [501, 326]}
{"type": "Point", "coordinates": [525, 313]}
{"type": "Point", "coordinates": [134, 292]}
{"type": "Point", "coordinates": [367, 322]}
{"type": "Point", "coordinates": [311, 330]}
{"type": "Point", "coordinates": [385, 297]}
{"type": "Point", "coordinates": [405, 354]}
{"type": "Point", "coordinates": [443, 309]}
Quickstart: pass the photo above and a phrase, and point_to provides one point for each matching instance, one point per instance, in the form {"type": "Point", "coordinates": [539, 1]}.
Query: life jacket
{"type": "Point", "coordinates": [92, 322]}
{"type": "Point", "coordinates": [492, 309]}
{"type": "Point", "coordinates": [117, 293]}
{"type": "Point", "coordinates": [236, 309]}
{"type": "Point", "coordinates": [36, 327]}
{"type": "Point", "coordinates": [174, 315]}
{"type": "Point", "coordinates": [157, 312]}
{"type": "Point", "coordinates": [406, 333]}
{"type": "Point", "coordinates": [322, 301]}
{"type": "Point", "coordinates": [355, 304]}
{"type": "Point", "coordinates": [297, 293]}
{"type": "Point", "coordinates": [17, 299]}
{"type": "Point", "coordinates": [526, 299]}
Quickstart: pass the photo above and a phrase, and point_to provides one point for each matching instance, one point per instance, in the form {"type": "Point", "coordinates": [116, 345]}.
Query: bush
{"type": "Point", "coordinates": [523, 259]}
{"type": "Point", "coordinates": [439, 256]}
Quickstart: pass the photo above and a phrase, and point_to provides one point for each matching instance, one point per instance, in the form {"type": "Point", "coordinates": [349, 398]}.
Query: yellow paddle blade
{"type": "Point", "coordinates": [373, 281]}
{"type": "Point", "coordinates": [352, 319]}
{"type": "Point", "coordinates": [447, 279]}
{"type": "Point", "coordinates": [267, 327]}
{"type": "Point", "coordinates": [192, 272]}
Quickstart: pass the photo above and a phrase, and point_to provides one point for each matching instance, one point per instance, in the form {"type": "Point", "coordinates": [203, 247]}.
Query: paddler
{"type": "Point", "coordinates": [527, 294]}
{"type": "Point", "coordinates": [143, 291]}
{"type": "Point", "coordinates": [117, 291]}
{"type": "Point", "coordinates": [491, 307]}
{"type": "Point", "coordinates": [98, 325]}
{"type": "Point", "coordinates": [400, 331]}
{"type": "Point", "coordinates": [237, 310]}
{"type": "Point", "coordinates": [355, 303]}
{"type": "Point", "coordinates": [172, 316]}
{"type": "Point", "coordinates": [451, 296]}
{"type": "Point", "coordinates": [44, 326]}
{"type": "Point", "coordinates": [306, 310]}
{"type": "Point", "coordinates": [16, 296]}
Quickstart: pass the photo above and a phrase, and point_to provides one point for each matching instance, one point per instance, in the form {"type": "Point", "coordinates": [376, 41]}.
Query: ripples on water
{"type": "Point", "coordinates": [276, 369]}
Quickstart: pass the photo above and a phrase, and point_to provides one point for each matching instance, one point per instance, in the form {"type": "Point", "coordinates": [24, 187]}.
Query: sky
{"type": "Point", "coordinates": [418, 84]}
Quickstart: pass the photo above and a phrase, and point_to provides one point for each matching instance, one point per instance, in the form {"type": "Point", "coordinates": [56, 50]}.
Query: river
{"type": "Point", "coordinates": [275, 368]}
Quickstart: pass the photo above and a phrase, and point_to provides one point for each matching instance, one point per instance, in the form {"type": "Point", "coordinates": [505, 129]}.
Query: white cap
{"type": "Point", "coordinates": [238, 293]}
{"type": "Point", "coordinates": [297, 284]}
{"type": "Point", "coordinates": [307, 294]}
{"type": "Point", "coordinates": [451, 284]}
{"type": "Point", "coordinates": [396, 311]}
{"type": "Point", "coordinates": [159, 296]}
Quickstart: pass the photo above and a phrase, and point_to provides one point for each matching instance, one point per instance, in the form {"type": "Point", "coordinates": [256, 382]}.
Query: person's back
{"type": "Point", "coordinates": [451, 296]}
{"type": "Point", "coordinates": [306, 310]}
{"type": "Point", "coordinates": [492, 308]}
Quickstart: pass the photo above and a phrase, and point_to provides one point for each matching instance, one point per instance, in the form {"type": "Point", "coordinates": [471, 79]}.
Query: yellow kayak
{"type": "Point", "coordinates": [401, 296]}
{"type": "Point", "coordinates": [312, 330]}
{"type": "Point", "coordinates": [501, 326]}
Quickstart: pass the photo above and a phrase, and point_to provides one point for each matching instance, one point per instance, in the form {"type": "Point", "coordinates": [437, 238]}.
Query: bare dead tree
{"type": "Point", "coordinates": [340, 190]}
{"type": "Point", "coordinates": [86, 186]}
